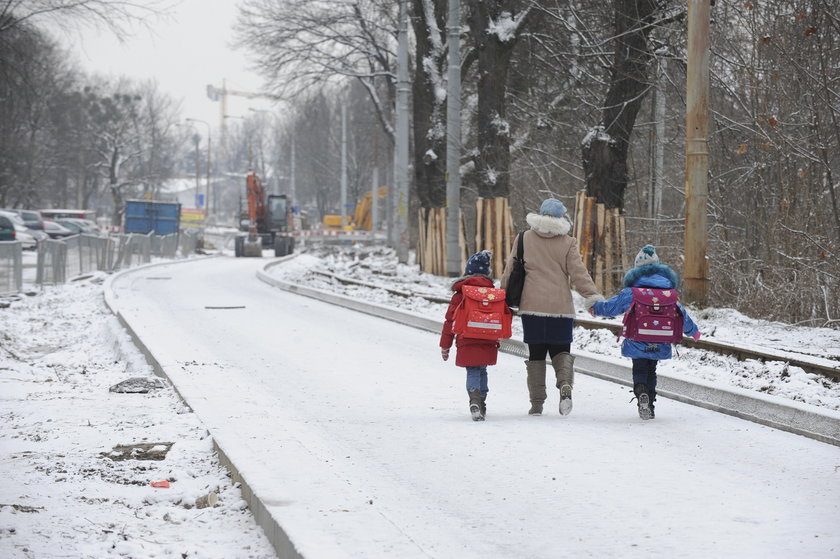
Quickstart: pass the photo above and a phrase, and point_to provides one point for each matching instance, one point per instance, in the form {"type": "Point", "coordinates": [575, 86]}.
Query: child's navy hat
{"type": "Point", "coordinates": [479, 263]}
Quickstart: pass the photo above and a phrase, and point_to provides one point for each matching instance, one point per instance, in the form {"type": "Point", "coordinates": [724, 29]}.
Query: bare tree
{"type": "Point", "coordinates": [299, 44]}
{"type": "Point", "coordinates": [495, 27]}
{"type": "Point", "coordinates": [556, 75]}
{"type": "Point", "coordinates": [30, 69]}
{"type": "Point", "coordinates": [156, 121]}
{"type": "Point", "coordinates": [114, 15]}
{"type": "Point", "coordinates": [429, 102]}
{"type": "Point", "coordinates": [775, 159]}
{"type": "Point", "coordinates": [774, 201]}
{"type": "Point", "coordinates": [605, 147]}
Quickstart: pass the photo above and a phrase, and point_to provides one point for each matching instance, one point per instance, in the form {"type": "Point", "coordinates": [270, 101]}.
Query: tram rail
{"type": "Point", "coordinates": [826, 367]}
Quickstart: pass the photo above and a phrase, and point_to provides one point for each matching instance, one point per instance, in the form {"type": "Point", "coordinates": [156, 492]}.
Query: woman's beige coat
{"type": "Point", "coordinates": [552, 262]}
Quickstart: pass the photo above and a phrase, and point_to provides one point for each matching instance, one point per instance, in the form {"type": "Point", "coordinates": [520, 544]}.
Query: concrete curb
{"type": "Point", "coordinates": [274, 532]}
{"type": "Point", "coordinates": [794, 417]}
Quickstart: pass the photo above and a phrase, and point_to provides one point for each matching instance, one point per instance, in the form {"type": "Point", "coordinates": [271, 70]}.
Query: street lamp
{"type": "Point", "coordinates": [207, 201]}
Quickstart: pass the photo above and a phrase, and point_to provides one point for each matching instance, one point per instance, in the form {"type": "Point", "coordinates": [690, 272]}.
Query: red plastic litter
{"type": "Point", "coordinates": [163, 484]}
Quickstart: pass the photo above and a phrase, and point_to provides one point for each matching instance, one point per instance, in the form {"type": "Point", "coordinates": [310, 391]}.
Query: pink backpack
{"type": "Point", "coordinates": [654, 316]}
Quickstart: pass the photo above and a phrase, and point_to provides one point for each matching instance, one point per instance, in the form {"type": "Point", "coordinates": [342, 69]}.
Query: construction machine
{"type": "Point", "coordinates": [362, 218]}
{"type": "Point", "coordinates": [266, 219]}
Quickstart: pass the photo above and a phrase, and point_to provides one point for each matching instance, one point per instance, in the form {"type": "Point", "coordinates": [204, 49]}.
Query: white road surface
{"type": "Point", "coordinates": [356, 436]}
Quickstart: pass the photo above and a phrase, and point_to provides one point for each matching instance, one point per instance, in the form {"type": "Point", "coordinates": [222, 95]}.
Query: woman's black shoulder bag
{"type": "Point", "coordinates": [516, 281]}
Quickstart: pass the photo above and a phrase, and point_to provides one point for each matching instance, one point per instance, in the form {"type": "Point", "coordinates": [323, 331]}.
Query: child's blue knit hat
{"type": "Point", "coordinates": [479, 263]}
{"type": "Point", "coordinates": [553, 207]}
{"type": "Point", "coordinates": [647, 256]}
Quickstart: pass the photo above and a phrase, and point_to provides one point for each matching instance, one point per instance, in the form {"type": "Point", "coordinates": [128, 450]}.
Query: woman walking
{"type": "Point", "coordinates": [552, 261]}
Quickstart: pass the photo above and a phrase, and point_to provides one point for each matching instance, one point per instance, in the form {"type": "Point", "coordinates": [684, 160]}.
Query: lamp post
{"type": "Point", "coordinates": [401, 145]}
{"type": "Point", "coordinates": [207, 201]}
{"type": "Point", "coordinates": [453, 142]}
{"type": "Point", "coordinates": [197, 141]}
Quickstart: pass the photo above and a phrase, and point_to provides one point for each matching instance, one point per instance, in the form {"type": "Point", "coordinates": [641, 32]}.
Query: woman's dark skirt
{"type": "Point", "coordinates": [547, 329]}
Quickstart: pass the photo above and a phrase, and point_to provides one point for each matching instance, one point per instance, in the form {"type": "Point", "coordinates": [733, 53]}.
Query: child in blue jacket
{"type": "Point", "coordinates": [648, 272]}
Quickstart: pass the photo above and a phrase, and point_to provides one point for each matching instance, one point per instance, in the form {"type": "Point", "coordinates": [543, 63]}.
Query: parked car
{"type": "Point", "coordinates": [22, 232]}
{"type": "Point", "coordinates": [39, 234]}
{"type": "Point", "coordinates": [83, 225]}
{"type": "Point", "coordinates": [31, 218]}
{"type": "Point", "coordinates": [67, 224]}
{"type": "Point", "coordinates": [56, 230]}
{"type": "Point", "coordinates": [7, 229]}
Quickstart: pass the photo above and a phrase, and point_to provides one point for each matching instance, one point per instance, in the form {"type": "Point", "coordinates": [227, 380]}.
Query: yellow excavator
{"type": "Point", "coordinates": [362, 218]}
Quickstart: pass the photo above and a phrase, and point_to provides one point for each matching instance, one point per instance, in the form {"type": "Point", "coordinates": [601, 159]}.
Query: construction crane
{"type": "Point", "coordinates": [221, 94]}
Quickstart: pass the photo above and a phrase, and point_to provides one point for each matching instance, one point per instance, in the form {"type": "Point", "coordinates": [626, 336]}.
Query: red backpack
{"type": "Point", "coordinates": [482, 314]}
{"type": "Point", "coordinates": [654, 316]}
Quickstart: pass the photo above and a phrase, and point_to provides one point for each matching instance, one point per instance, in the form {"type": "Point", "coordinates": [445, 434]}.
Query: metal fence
{"type": "Point", "coordinates": [59, 260]}
{"type": "Point", "coordinates": [52, 262]}
{"type": "Point", "coordinates": [189, 240]}
{"type": "Point", "coordinates": [11, 267]}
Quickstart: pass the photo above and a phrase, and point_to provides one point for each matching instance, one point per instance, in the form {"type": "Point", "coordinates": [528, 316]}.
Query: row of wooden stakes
{"type": "Point", "coordinates": [600, 233]}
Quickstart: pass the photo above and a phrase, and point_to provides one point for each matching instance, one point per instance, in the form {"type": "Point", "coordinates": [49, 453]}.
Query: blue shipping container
{"type": "Point", "coordinates": [145, 216]}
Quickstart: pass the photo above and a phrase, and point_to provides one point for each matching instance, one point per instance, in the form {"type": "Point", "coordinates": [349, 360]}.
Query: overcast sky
{"type": "Point", "coordinates": [184, 52]}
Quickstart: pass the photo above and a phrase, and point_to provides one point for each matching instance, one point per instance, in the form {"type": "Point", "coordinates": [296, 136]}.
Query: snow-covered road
{"type": "Point", "coordinates": [357, 439]}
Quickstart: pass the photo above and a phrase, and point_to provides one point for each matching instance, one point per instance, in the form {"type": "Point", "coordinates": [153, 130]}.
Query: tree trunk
{"type": "Point", "coordinates": [494, 48]}
{"type": "Point", "coordinates": [429, 116]}
{"type": "Point", "coordinates": [429, 105]}
{"type": "Point", "coordinates": [605, 148]}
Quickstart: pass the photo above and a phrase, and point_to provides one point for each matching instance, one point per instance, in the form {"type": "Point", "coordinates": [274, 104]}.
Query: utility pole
{"type": "Point", "coordinates": [207, 194]}
{"type": "Point", "coordinates": [374, 220]}
{"type": "Point", "coordinates": [207, 201]}
{"type": "Point", "coordinates": [343, 165]}
{"type": "Point", "coordinates": [658, 147]}
{"type": "Point", "coordinates": [453, 141]}
{"type": "Point", "coordinates": [292, 186]}
{"type": "Point", "coordinates": [697, 153]}
{"type": "Point", "coordinates": [401, 151]}
{"type": "Point", "coordinates": [374, 208]}
{"type": "Point", "coordinates": [197, 140]}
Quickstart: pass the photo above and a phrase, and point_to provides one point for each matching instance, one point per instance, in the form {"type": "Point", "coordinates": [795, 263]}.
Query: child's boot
{"type": "Point", "coordinates": [536, 385]}
{"type": "Point", "coordinates": [652, 394]}
{"type": "Point", "coordinates": [484, 405]}
{"type": "Point", "coordinates": [475, 405]}
{"type": "Point", "coordinates": [563, 364]}
{"type": "Point", "coordinates": [642, 400]}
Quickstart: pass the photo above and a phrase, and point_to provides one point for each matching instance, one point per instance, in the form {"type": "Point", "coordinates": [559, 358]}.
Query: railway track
{"type": "Point", "coordinates": [822, 425]}
{"type": "Point", "coordinates": [821, 366]}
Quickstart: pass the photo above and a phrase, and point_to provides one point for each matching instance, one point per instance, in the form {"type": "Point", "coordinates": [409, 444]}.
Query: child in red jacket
{"type": "Point", "coordinates": [474, 354]}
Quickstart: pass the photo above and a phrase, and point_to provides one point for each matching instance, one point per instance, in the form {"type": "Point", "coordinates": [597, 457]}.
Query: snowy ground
{"type": "Point", "coordinates": [379, 267]}
{"type": "Point", "coordinates": [64, 492]}
{"type": "Point", "coordinates": [356, 438]}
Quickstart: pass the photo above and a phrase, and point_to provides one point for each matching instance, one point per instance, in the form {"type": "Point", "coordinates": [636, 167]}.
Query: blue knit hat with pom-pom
{"type": "Point", "coordinates": [646, 256]}
{"type": "Point", "coordinates": [479, 263]}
